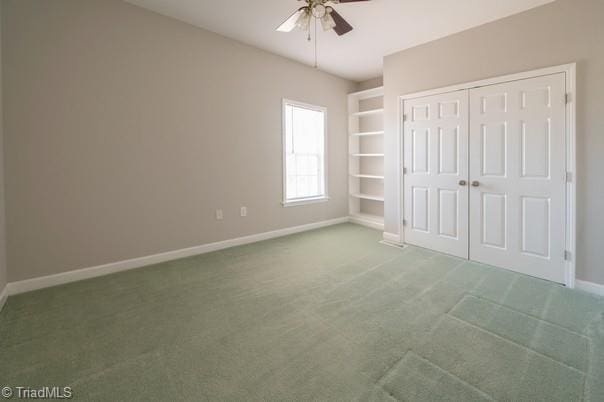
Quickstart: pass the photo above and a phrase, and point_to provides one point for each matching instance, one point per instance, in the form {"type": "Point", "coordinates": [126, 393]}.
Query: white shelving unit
{"type": "Point", "coordinates": [368, 176]}
{"type": "Point", "coordinates": [369, 133]}
{"type": "Point", "coordinates": [367, 197]}
{"type": "Point", "coordinates": [368, 112]}
{"type": "Point", "coordinates": [366, 157]}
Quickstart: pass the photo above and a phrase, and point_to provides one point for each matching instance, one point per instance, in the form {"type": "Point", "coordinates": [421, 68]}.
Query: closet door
{"type": "Point", "coordinates": [436, 172]}
{"type": "Point", "coordinates": [517, 176]}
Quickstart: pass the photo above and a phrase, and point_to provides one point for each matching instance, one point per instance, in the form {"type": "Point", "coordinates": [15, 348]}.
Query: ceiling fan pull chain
{"type": "Point", "coordinates": [316, 63]}
{"type": "Point", "coordinates": [309, 22]}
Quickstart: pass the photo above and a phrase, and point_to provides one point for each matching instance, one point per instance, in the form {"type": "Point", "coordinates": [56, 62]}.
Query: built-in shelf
{"type": "Point", "coordinates": [368, 133]}
{"type": "Point", "coordinates": [368, 93]}
{"type": "Point", "coordinates": [368, 197]}
{"type": "Point", "coordinates": [368, 112]}
{"type": "Point", "coordinates": [363, 155]}
{"type": "Point", "coordinates": [374, 221]}
{"type": "Point", "coordinates": [368, 176]}
{"type": "Point", "coordinates": [366, 158]}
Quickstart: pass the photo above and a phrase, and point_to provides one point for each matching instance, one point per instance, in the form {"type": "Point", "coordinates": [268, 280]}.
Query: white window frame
{"type": "Point", "coordinates": [306, 200]}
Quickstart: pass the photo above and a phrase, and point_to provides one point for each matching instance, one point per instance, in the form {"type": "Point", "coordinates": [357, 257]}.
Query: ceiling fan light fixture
{"type": "Point", "coordinates": [319, 10]}
{"type": "Point", "coordinates": [328, 22]}
{"type": "Point", "coordinates": [303, 21]}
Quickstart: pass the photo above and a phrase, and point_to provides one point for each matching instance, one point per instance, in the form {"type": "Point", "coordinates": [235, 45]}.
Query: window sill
{"type": "Point", "coordinates": [305, 201]}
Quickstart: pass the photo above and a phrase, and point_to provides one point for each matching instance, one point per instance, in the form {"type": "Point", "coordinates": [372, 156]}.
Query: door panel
{"type": "Point", "coordinates": [448, 138]}
{"type": "Point", "coordinates": [448, 211]}
{"type": "Point", "coordinates": [421, 150]}
{"type": "Point", "coordinates": [517, 159]}
{"type": "Point", "coordinates": [421, 209]}
{"type": "Point", "coordinates": [436, 159]}
{"type": "Point", "coordinates": [494, 227]}
{"type": "Point", "coordinates": [535, 226]}
{"type": "Point", "coordinates": [493, 148]}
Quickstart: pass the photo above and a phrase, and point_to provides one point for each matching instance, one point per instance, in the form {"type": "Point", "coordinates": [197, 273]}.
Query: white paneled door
{"type": "Point", "coordinates": [436, 164]}
{"type": "Point", "coordinates": [518, 176]}
{"type": "Point", "coordinates": [485, 174]}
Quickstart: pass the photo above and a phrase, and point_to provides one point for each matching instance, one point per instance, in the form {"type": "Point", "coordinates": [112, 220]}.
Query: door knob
{"type": "Point", "coordinates": [475, 184]}
{"type": "Point", "coordinates": [462, 183]}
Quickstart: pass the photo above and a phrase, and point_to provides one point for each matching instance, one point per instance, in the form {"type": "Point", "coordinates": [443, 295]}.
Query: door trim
{"type": "Point", "coordinates": [570, 71]}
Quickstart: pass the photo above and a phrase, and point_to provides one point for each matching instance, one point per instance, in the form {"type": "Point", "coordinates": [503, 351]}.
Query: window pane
{"type": "Point", "coordinates": [290, 164]}
{"type": "Point", "coordinates": [304, 152]}
{"type": "Point", "coordinates": [291, 187]}
{"type": "Point", "coordinates": [314, 184]}
{"type": "Point", "coordinates": [303, 186]}
{"type": "Point", "coordinates": [313, 166]}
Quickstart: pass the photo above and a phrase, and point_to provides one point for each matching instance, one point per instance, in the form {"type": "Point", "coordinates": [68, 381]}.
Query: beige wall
{"type": "Point", "coordinates": [562, 32]}
{"type": "Point", "coordinates": [125, 130]}
{"type": "Point", "coordinates": [370, 83]}
{"type": "Point", "coordinates": [3, 274]}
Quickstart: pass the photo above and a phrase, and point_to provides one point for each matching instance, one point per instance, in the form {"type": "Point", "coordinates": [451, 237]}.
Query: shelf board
{"type": "Point", "coordinates": [367, 133]}
{"type": "Point", "coordinates": [363, 155]}
{"type": "Point", "coordinates": [368, 112]}
{"type": "Point", "coordinates": [368, 93]}
{"type": "Point", "coordinates": [367, 176]}
{"type": "Point", "coordinates": [367, 197]}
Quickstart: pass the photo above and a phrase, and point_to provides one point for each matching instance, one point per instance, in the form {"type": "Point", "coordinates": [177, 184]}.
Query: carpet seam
{"type": "Point", "coordinates": [385, 285]}
{"type": "Point", "coordinates": [515, 343]}
{"type": "Point", "coordinates": [396, 278]}
{"type": "Point", "coordinates": [477, 296]}
{"type": "Point", "coordinates": [441, 280]}
{"type": "Point", "coordinates": [565, 329]}
{"type": "Point", "coordinates": [431, 363]}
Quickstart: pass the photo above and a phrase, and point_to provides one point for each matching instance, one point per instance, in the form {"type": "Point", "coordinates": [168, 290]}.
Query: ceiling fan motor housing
{"type": "Point", "coordinates": [319, 10]}
{"type": "Point", "coordinates": [318, 7]}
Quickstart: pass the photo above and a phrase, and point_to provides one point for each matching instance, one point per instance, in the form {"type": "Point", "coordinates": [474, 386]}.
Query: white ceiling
{"type": "Point", "coordinates": [382, 27]}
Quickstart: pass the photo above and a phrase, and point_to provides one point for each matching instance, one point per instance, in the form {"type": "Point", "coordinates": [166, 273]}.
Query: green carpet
{"type": "Point", "coordinates": [324, 315]}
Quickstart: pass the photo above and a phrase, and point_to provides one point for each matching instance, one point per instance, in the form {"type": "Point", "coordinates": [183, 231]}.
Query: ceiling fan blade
{"type": "Point", "coordinates": [290, 23]}
{"type": "Point", "coordinates": [342, 27]}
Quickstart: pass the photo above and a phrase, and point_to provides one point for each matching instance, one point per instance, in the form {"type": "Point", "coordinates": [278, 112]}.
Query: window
{"type": "Point", "coordinates": [303, 153]}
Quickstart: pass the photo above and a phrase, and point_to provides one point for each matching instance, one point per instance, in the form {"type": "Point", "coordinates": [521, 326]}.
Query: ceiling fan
{"type": "Point", "coordinates": [319, 10]}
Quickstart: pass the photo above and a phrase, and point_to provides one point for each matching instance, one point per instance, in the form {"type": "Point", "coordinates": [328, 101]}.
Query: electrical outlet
{"type": "Point", "coordinates": [243, 211]}
{"type": "Point", "coordinates": [219, 215]}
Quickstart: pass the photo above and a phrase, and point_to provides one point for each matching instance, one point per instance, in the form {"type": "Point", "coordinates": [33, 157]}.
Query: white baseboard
{"type": "Point", "coordinates": [366, 222]}
{"type": "Point", "coordinates": [3, 297]}
{"type": "Point", "coordinates": [106, 269]}
{"type": "Point", "coordinates": [590, 287]}
{"type": "Point", "coordinates": [393, 238]}
{"type": "Point", "coordinates": [28, 285]}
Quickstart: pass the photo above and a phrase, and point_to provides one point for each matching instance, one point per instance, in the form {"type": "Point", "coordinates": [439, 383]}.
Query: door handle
{"type": "Point", "coordinates": [475, 183]}
{"type": "Point", "coordinates": [462, 182]}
